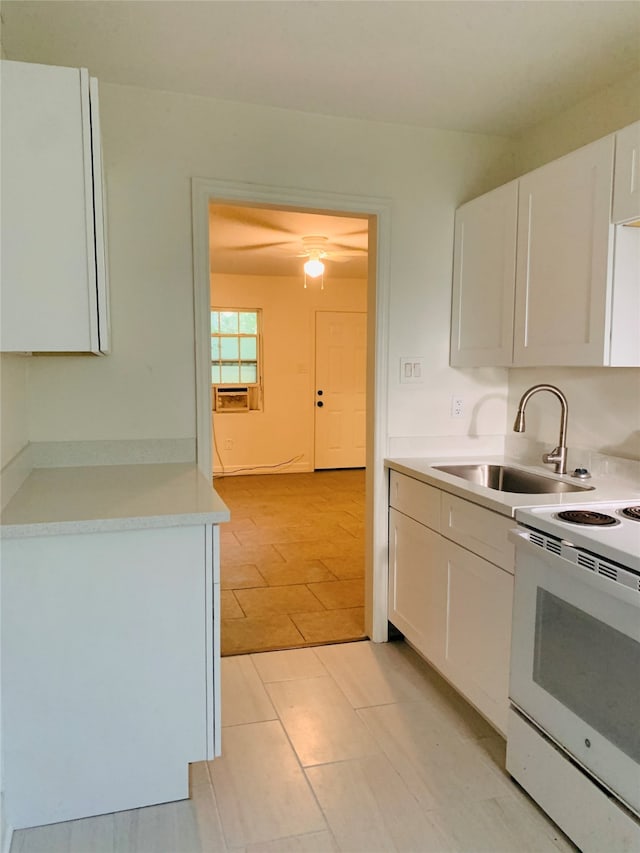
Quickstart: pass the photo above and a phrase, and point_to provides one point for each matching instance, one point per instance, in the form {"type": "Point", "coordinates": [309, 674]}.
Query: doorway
{"type": "Point", "coordinates": [272, 330]}
{"type": "Point", "coordinates": [289, 579]}
{"type": "Point", "coordinates": [377, 212]}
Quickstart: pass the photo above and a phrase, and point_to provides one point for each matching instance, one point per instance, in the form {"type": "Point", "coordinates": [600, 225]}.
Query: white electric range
{"type": "Point", "coordinates": [608, 530]}
{"type": "Point", "coordinates": [574, 738]}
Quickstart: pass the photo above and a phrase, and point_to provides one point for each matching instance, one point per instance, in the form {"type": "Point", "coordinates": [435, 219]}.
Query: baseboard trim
{"type": "Point", "coordinates": [248, 470]}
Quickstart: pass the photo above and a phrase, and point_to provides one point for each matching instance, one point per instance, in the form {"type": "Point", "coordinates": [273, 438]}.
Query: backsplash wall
{"type": "Point", "coordinates": [604, 407]}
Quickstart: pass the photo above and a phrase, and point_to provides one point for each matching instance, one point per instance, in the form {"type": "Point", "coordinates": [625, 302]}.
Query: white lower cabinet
{"type": "Point", "coordinates": [418, 585]}
{"type": "Point", "coordinates": [453, 605]}
{"type": "Point", "coordinates": [479, 631]}
{"type": "Point", "coordinates": [109, 656]}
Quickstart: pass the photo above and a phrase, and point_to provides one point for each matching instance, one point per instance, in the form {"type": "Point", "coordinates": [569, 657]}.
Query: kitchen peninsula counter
{"type": "Point", "coordinates": [111, 638]}
{"type": "Point", "coordinates": [103, 498]}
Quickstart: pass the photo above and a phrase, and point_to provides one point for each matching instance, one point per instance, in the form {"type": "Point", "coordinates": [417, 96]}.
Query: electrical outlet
{"type": "Point", "coordinates": [457, 407]}
{"type": "Point", "coordinates": [228, 444]}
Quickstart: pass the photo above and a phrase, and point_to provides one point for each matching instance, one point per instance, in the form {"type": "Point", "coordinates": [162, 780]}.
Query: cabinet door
{"type": "Point", "coordinates": [417, 585]}
{"type": "Point", "coordinates": [626, 180]}
{"type": "Point", "coordinates": [563, 275]}
{"type": "Point", "coordinates": [484, 263]}
{"type": "Point", "coordinates": [51, 275]}
{"type": "Point", "coordinates": [479, 632]}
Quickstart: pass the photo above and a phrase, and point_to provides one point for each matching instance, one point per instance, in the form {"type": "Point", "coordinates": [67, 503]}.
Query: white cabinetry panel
{"type": "Point", "coordinates": [415, 499]}
{"type": "Point", "coordinates": [53, 261]}
{"type": "Point", "coordinates": [480, 530]}
{"type": "Point", "coordinates": [625, 309]}
{"type": "Point", "coordinates": [572, 276]}
{"type": "Point", "coordinates": [453, 605]}
{"type": "Point", "coordinates": [626, 179]}
{"type": "Point", "coordinates": [417, 585]}
{"type": "Point", "coordinates": [479, 632]}
{"type": "Point", "coordinates": [563, 271]}
{"type": "Point", "coordinates": [483, 279]}
{"type": "Point", "coordinates": [106, 670]}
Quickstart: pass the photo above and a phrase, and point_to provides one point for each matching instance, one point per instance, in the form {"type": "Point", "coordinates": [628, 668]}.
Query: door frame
{"type": "Point", "coordinates": [378, 211]}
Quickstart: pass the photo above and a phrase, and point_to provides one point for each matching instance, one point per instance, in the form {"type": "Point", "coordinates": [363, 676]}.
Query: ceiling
{"type": "Point", "coordinates": [266, 241]}
{"type": "Point", "coordinates": [478, 66]}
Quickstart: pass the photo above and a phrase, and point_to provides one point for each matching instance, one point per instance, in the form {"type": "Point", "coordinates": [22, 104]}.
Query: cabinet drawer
{"type": "Point", "coordinates": [480, 530]}
{"type": "Point", "coordinates": [415, 499]}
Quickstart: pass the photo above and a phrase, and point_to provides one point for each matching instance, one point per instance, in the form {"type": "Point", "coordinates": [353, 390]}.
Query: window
{"type": "Point", "coordinates": [235, 360]}
{"type": "Point", "coordinates": [235, 347]}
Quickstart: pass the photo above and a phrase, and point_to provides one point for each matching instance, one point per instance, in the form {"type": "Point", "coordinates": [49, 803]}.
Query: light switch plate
{"type": "Point", "coordinates": [411, 369]}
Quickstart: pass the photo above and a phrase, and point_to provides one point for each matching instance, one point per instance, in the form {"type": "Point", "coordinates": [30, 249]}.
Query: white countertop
{"type": "Point", "coordinates": [111, 497]}
{"type": "Point", "coordinates": [605, 488]}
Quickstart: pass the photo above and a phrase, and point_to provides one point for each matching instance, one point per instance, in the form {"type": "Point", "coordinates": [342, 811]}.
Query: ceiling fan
{"type": "Point", "coordinates": [310, 246]}
{"type": "Point", "coordinates": [314, 237]}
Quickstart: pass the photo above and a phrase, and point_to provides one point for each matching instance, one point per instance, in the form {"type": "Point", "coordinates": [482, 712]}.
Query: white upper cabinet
{"type": "Point", "coordinates": [626, 183]}
{"type": "Point", "coordinates": [54, 283]}
{"type": "Point", "coordinates": [542, 272]}
{"type": "Point", "coordinates": [483, 279]}
{"type": "Point", "coordinates": [564, 269]}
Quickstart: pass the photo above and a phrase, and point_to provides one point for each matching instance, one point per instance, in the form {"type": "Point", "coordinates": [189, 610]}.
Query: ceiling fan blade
{"type": "Point", "coordinates": [257, 247]}
{"type": "Point", "coordinates": [352, 251]}
{"type": "Point", "coordinates": [361, 232]}
{"type": "Point", "coordinates": [341, 248]}
{"type": "Point", "coordinates": [343, 258]}
{"type": "Point", "coordinates": [249, 216]}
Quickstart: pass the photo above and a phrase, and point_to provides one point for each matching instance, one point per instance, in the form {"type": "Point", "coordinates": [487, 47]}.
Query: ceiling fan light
{"type": "Point", "coordinates": [314, 268]}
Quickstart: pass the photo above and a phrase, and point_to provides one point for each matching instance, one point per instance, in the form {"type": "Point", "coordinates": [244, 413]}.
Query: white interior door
{"type": "Point", "coordinates": [340, 399]}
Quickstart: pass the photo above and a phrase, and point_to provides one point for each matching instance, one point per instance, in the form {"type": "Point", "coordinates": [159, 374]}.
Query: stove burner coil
{"type": "Point", "coordinates": [631, 512]}
{"type": "Point", "coordinates": [587, 516]}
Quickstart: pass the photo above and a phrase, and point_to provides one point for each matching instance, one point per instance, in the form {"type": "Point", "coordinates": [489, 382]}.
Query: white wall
{"type": "Point", "coordinates": [153, 143]}
{"type": "Point", "coordinates": [285, 426]}
{"type": "Point", "coordinates": [591, 119]}
{"type": "Point", "coordinates": [604, 403]}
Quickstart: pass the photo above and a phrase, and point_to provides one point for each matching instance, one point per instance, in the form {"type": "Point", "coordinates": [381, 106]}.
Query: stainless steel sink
{"type": "Point", "coordinates": [502, 478]}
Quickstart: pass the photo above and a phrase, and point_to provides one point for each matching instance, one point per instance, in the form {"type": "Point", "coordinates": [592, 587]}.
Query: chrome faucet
{"type": "Point", "coordinates": [558, 455]}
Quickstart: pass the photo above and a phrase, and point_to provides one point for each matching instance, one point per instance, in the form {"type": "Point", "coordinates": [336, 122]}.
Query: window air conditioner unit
{"type": "Point", "coordinates": [231, 399]}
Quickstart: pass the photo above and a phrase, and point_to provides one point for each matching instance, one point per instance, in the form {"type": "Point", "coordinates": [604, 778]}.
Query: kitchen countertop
{"type": "Point", "coordinates": [605, 488]}
{"type": "Point", "coordinates": [111, 497]}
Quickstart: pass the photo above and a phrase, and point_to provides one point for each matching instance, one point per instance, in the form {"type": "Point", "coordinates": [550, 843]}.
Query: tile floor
{"type": "Point", "coordinates": [292, 567]}
{"type": "Point", "coordinates": [355, 747]}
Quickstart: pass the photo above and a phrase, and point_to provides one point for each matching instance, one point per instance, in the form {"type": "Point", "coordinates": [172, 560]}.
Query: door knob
{"type": "Point", "coordinates": [319, 404]}
{"type": "Point", "coordinates": [319, 393]}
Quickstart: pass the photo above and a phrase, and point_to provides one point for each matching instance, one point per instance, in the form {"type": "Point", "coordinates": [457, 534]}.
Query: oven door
{"type": "Point", "coordinates": [575, 663]}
